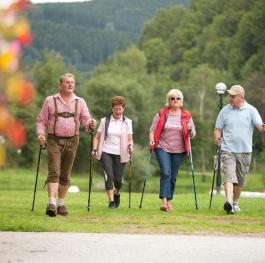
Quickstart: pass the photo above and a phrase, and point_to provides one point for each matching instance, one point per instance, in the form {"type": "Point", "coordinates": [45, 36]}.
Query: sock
{"type": "Point", "coordinates": [229, 200]}
{"type": "Point", "coordinates": [235, 202]}
{"type": "Point", "coordinates": [52, 201]}
{"type": "Point", "coordinates": [60, 201]}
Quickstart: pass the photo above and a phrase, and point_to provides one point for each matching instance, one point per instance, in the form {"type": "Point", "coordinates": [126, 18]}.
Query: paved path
{"type": "Point", "coordinates": [102, 248]}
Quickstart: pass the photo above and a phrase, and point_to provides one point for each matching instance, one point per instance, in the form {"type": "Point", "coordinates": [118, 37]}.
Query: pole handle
{"type": "Point", "coordinates": [43, 146]}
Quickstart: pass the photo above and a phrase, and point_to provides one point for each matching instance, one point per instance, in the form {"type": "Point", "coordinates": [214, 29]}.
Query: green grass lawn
{"type": "Point", "coordinates": [16, 192]}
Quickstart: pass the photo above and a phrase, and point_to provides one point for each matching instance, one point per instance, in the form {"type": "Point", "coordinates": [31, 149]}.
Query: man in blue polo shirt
{"type": "Point", "coordinates": [234, 131]}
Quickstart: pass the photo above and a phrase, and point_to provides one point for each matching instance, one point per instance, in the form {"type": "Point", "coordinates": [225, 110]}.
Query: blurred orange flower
{"type": "Point", "coordinates": [17, 134]}
{"type": "Point", "coordinates": [20, 4]}
{"type": "Point", "coordinates": [27, 93]}
{"type": "Point", "coordinates": [22, 32]}
{"type": "Point", "coordinates": [5, 118]}
{"type": "Point", "coordinates": [14, 33]}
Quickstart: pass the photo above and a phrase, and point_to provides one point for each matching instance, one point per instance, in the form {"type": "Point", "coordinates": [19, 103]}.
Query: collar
{"type": "Point", "coordinates": [58, 95]}
{"type": "Point", "coordinates": [244, 106]}
{"type": "Point", "coordinates": [112, 119]}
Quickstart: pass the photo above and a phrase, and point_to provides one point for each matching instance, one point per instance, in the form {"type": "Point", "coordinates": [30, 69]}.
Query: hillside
{"type": "Point", "coordinates": [89, 32]}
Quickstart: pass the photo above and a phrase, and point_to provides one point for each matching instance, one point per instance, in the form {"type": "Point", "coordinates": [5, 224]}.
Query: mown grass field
{"type": "Point", "coordinates": [16, 192]}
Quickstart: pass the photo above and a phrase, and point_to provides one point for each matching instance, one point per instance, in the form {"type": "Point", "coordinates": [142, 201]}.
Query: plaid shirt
{"type": "Point", "coordinates": [65, 127]}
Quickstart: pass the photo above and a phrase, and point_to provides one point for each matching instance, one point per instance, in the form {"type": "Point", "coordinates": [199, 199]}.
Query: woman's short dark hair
{"type": "Point", "coordinates": [118, 100]}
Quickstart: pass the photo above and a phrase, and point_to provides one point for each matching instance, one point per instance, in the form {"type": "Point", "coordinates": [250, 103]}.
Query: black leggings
{"type": "Point", "coordinates": [113, 170]}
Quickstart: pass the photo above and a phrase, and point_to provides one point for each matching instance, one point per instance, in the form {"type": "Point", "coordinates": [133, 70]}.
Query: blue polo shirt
{"type": "Point", "coordinates": [237, 127]}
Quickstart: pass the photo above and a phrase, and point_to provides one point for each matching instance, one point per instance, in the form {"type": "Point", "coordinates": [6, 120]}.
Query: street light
{"type": "Point", "coordinates": [220, 89]}
{"type": "Point", "coordinates": [19, 151]}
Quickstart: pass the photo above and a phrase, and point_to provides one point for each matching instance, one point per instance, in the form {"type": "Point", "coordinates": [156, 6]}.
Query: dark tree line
{"type": "Point", "coordinates": [88, 33]}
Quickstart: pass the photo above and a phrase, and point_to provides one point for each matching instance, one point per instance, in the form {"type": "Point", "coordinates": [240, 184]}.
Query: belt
{"type": "Point", "coordinates": [66, 114]}
{"type": "Point", "coordinates": [60, 137]}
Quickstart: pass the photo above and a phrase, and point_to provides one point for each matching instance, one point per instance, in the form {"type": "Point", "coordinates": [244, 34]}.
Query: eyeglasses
{"type": "Point", "coordinates": [175, 98]}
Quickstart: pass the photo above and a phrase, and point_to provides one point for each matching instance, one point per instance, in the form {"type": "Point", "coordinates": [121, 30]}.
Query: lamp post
{"type": "Point", "coordinates": [18, 159]}
{"type": "Point", "coordinates": [220, 89]}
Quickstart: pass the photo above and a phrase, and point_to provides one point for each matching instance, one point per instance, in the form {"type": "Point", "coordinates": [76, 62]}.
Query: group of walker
{"type": "Point", "coordinates": [169, 138]}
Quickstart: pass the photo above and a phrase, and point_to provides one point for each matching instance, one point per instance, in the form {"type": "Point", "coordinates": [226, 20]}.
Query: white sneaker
{"type": "Point", "coordinates": [236, 208]}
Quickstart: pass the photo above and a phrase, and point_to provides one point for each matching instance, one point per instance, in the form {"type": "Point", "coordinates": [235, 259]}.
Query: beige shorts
{"type": "Point", "coordinates": [235, 167]}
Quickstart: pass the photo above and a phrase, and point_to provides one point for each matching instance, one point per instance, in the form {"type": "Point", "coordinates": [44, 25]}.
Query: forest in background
{"type": "Point", "coordinates": [87, 33]}
{"type": "Point", "coordinates": [190, 48]}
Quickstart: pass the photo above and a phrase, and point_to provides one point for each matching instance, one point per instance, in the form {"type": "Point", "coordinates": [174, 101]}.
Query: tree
{"type": "Point", "coordinates": [203, 80]}
{"type": "Point", "coordinates": [157, 54]}
{"type": "Point", "coordinates": [255, 95]}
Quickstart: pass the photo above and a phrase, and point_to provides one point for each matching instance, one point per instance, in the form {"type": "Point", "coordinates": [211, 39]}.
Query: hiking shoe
{"type": "Point", "coordinates": [62, 210]}
{"type": "Point", "coordinates": [236, 208]}
{"type": "Point", "coordinates": [51, 210]}
{"type": "Point", "coordinates": [169, 207]}
{"type": "Point", "coordinates": [164, 208]}
{"type": "Point", "coordinates": [117, 200]}
{"type": "Point", "coordinates": [228, 208]}
{"type": "Point", "coordinates": [112, 205]}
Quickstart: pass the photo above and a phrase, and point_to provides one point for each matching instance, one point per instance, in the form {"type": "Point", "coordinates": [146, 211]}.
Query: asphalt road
{"type": "Point", "coordinates": [116, 248]}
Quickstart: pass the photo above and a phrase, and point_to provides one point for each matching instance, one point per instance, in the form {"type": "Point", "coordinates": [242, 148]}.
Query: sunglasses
{"type": "Point", "coordinates": [175, 98]}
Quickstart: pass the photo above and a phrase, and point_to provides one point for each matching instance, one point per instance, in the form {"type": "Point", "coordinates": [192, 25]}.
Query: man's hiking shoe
{"type": "Point", "coordinates": [51, 210]}
{"type": "Point", "coordinates": [236, 208]}
{"type": "Point", "coordinates": [117, 200]}
{"type": "Point", "coordinates": [112, 205]}
{"type": "Point", "coordinates": [62, 210]}
{"type": "Point", "coordinates": [228, 208]}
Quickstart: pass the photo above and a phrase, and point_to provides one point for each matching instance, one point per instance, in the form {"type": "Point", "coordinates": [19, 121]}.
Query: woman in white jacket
{"type": "Point", "coordinates": [113, 145]}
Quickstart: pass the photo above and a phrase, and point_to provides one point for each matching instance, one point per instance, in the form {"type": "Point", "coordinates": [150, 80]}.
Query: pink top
{"type": "Point", "coordinates": [171, 139]}
{"type": "Point", "coordinates": [65, 127]}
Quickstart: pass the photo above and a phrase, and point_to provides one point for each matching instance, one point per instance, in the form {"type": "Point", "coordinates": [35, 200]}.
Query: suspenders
{"type": "Point", "coordinates": [64, 115]}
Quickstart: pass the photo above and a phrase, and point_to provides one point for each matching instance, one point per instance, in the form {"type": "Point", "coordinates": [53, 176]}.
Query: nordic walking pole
{"type": "Point", "coordinates": [42, 147]}
{"type": "Point", "coordinates": [130, 180]}
{"type": "Point", "coordinates": [90, 171]}
{"type": "Point", "coordinates": [192, 171]}
{"type": "Point", "coordinates": [216, 168]}
{"type": "Point", "coordinates": [145, 178]}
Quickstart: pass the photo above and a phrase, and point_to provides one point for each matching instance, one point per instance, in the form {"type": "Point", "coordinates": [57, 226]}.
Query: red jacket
{"type": "Point", "coordinates": [163, 114]}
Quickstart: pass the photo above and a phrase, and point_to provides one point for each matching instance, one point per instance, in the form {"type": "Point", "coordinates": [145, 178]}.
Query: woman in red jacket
{"type": "Point", "coordinates": [168, 137]}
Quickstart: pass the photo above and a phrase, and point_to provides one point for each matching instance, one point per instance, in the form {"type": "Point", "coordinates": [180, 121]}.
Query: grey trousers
{"type": "Point", "coordinates": [113, 170]}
